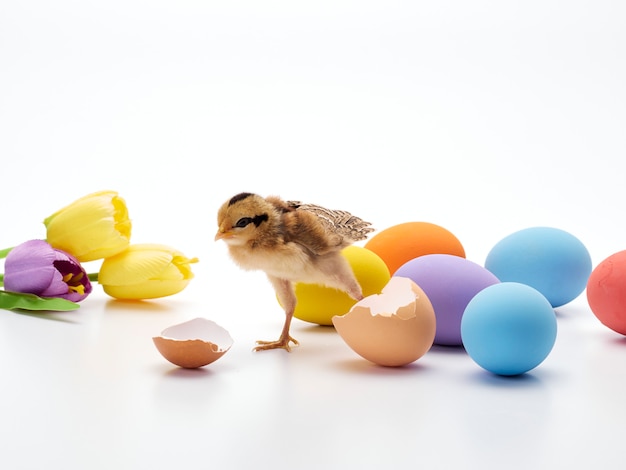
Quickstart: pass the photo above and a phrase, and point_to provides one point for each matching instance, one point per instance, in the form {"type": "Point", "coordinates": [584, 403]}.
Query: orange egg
{"type": "Point", "coordinates": [401, 243]}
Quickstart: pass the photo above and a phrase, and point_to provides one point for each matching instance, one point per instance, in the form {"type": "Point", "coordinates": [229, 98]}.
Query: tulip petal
{"type": "Point", "coordinates": [122, 269]}
{"type": "Point", "coordinates": [29, 267]}
{"type": "Point", "coordinates": [93, 227]}
{"type": "Point", "coordinates": [57, 287]}
{"type": "Point", "coordinates": [184, 266]}
{"type": "Point", "coordinates": [170, 273]}
{"type": "Point", "coordinates": [147, 290]}
{"type": "Point", "coordinates": [120, 214]}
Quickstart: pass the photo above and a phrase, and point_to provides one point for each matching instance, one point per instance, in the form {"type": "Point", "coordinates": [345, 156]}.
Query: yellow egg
{"type": "Point", "coordinates": [318, 304]}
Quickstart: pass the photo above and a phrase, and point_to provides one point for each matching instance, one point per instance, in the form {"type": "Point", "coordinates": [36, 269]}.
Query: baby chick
{"type": "Point", "coordinates": [291, 242]}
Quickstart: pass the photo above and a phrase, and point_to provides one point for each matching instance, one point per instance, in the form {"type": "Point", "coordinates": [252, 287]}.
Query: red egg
{"type": "Point", "coordinates": [606, 292]}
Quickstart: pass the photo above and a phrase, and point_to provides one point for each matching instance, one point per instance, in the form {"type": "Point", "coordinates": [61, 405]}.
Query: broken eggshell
{"type": "Point", "coordinates": [393, 328]}
{"type": "Point", "coordinates": [194, 343]}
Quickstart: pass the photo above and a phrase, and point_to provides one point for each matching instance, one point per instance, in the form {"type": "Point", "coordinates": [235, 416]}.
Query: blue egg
{"type": "Point", "coordinates": [551, 260]}
{"type": "Point", "coordinates": [508, 328]}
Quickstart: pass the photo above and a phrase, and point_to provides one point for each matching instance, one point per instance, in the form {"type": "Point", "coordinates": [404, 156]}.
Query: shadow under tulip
{"type": "Point", "coordinates": [120, 305]}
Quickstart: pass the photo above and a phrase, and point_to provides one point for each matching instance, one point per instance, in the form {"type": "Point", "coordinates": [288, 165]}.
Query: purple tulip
{"type": "Point", "coordinates": [34, 267]}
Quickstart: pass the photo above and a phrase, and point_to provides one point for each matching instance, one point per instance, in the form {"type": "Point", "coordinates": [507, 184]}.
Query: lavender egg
{"type": "Point", "coordinates": [449, 282]}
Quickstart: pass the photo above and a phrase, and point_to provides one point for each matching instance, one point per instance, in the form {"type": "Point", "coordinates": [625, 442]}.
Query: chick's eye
{"type": "Point", "coordinates": [243, 222]}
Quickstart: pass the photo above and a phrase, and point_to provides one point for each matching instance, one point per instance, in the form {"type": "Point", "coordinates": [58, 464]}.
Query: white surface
{"type": "Point", "coordinates": [484, 117]}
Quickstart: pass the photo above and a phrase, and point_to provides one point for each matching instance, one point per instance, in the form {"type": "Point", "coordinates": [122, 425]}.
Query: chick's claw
{"type": "Point", "coordinates": [282, 343]}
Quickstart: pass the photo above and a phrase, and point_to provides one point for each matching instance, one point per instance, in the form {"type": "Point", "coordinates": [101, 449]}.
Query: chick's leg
{"type": "Point", "coordinates": [340, 272]}
{"type": "Point", "coordinates": [287, 297]}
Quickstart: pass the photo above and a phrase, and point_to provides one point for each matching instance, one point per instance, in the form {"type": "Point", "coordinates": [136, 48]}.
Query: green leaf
{"type": "Point", "coordinates": [17, 300]}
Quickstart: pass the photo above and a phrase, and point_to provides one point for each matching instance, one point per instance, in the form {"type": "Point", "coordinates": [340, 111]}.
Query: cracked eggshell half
{"type": "Point", "coordinates": [194, 343]}
{"type": "Point", "coordinates": [393, 328]}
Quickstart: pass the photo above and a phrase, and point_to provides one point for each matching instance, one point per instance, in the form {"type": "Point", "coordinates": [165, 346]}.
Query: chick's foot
{"type": "Point", "coordinates": [282, 343]}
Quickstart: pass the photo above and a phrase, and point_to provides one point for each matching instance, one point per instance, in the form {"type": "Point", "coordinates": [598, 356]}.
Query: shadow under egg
{"type": "Point", "coordinates": [363, 366]}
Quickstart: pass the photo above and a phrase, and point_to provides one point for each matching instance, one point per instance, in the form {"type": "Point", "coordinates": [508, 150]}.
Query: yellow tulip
{"type": "Point", "coordinates": [93, 227]}
{"type": "Point", "coordinates": [145, 271]}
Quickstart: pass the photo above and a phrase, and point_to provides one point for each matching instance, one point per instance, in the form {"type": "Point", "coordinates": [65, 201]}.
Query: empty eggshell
{"type": "Point", "coordinates": [393, 328]}
{"type": "Point", "coordinates": [194, 343]}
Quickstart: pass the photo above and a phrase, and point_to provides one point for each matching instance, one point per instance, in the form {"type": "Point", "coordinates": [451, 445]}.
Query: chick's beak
{"type": "Point", "coordinates": [221, 233]}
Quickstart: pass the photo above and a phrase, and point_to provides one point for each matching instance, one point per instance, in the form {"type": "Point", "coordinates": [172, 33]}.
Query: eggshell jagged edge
{"type": "Point", "coordinates": [393, 328]}
{"type": "Point", "coordinates": [194, 343]}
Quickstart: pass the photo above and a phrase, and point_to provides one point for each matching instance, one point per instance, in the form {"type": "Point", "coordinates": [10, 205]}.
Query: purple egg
{"type": "Point", "coordinates": [449, 282]}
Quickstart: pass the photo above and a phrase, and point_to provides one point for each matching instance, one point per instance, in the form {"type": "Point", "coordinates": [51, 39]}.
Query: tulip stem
{"type": "Point", "coordinates": [1, 280]}
{"type": "Point", "coordinates": [5, 252]}
{"type": "Point", "coordinates": [93, 277]}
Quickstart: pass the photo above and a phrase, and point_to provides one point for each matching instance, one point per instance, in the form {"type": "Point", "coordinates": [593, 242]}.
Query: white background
{"type": "Point", "coordinates": [484, 117]}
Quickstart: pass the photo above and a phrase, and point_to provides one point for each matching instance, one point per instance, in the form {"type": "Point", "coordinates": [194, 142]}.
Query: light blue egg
{"type": "Point", "coordinates": [508, 328]}
{"type": "Point", "coordinates": [551, 260]}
